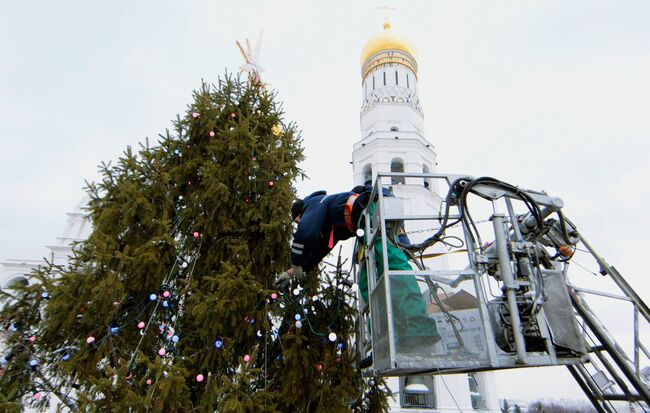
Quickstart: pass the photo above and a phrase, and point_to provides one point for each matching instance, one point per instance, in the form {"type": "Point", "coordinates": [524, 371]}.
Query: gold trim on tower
{"type": "Point", "coordinates": [387, 57]}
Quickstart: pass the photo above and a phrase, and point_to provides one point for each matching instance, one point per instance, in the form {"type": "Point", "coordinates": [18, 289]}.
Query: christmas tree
{"type": "Point", "coordinates": [170, 304]}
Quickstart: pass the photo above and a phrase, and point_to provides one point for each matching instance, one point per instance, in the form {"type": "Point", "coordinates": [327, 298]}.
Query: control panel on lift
{"type": "Point", "coordinates": [484, 286]}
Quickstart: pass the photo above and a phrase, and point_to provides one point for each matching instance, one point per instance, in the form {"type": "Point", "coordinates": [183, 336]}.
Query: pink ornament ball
{"type": "Point", "coordinates": [116, 303]}
{"type": "Point", "coordinates": [166, 294]}
{"type": "Point", "coordinates": [141, 324]}
{"type": "Point", "coordinates": [32, 339]}
{"type": "Point", "coordinates": [199, 378]}
{"type": "Point", "coordinates": [212, 134]}
{"type": "Point", "coordinates": [162, 352]}
{"type": "Point", "coordinates": [196, 234]}
{"type": "Point", "coordinates": [274, 296]}
{"type": "Point", "coordinates": [232, 115]}
{"type": "Point", "coordinates": [271, 184]}
{"type": "Point", "coordinates": [195, 115]}
{"type": "Point", "coordinates": [149, 382]}
{"type": "Point", "coordinates": [37, 395]}
{"type": "Point", "coordinates": [247, 358]}
{"type": "Point", "coordinates": [90, 340]}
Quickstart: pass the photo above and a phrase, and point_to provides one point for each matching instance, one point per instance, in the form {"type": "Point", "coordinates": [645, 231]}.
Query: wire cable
{"type": "Point", "coordinates": [442, 377]}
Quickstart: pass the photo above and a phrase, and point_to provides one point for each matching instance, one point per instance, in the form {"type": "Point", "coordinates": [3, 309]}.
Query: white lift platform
{"type": "Point", "coordinates": [505, 303]}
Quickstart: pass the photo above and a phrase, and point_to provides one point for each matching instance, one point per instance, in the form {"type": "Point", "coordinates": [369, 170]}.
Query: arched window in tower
{"type": "Point", "coordinates": [373, 82]}
{"type": "Point", "coordinates": [384, 78]}
{"type": "Point", "coordinates": [427, 181]}
{"type": "Point", "coordinates": [396, 78]}
{"type": "Point", "coordinates": [397, 165]}
{"type": "Point", "coordinates": [367, 175]}
{"type": "Point", "coordinates": [407, 81]}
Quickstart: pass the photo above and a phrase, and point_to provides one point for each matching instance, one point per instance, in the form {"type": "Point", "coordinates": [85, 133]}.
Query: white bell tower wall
{"type": "Point", "coordinates": [392, 132]}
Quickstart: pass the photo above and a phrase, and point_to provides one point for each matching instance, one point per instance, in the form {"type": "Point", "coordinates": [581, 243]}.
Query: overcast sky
{"type": "Point", "coordinates": [546, 94]}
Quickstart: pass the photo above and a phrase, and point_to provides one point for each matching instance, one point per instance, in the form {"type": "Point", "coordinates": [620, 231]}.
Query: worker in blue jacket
{"type": "Point", "coordinates": [323, 220]}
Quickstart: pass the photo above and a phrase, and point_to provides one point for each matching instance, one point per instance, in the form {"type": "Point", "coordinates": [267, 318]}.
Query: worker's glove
{"type": "Point", "coordinates": [282, 281]}
{"type": "Point", "coordinates": [298, 274]}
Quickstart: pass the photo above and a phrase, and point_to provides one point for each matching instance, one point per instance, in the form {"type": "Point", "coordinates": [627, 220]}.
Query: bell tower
{"type": "Point", "coordinates": [392, 140]}
{"type": "Point", "coordinates": [392, 131]}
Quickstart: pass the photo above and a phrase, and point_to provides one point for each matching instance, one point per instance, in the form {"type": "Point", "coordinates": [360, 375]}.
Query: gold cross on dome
{"type": "Point", "coordinates": [386, 11]}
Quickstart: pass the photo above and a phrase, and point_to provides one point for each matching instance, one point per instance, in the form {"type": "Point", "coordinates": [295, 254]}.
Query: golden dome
{"type": "Point", "coordinates": [387, 40]}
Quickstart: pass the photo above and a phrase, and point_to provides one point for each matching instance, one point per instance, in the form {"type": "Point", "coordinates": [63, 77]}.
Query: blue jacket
{"type": "Point", "coordinates": [322, 221]}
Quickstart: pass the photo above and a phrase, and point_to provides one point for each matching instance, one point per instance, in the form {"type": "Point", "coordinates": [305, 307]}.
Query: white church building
{"type": "Point", "coordinates": [392, 139]}
{"type": "Point", "coordinates": [77, 228]}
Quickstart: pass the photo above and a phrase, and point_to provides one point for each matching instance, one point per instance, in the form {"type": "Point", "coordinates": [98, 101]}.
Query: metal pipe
{"type": "Point", "coordinates": [600, 293]}
{"type": "Point", "coordinates": [513, 219]}
{"type": "Point", "coordinates": [619, 280]}
{"type": "Point", "coordinates": [381, 204]}
{"type": "Point", "coordinates": [644, 350]}
{"type": "Point", "coordinates": [580, 379]}
{"type": "Point", "coordinates": [604, 337]}
{"type": "Point", "coordinates": [370, 275]}
{"type": "Point", "coordinates": [636, 340]}
{"type": "Point", "coordinates": [509, 284]}
{"type": "Point", "coordinates": [613, 372]}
